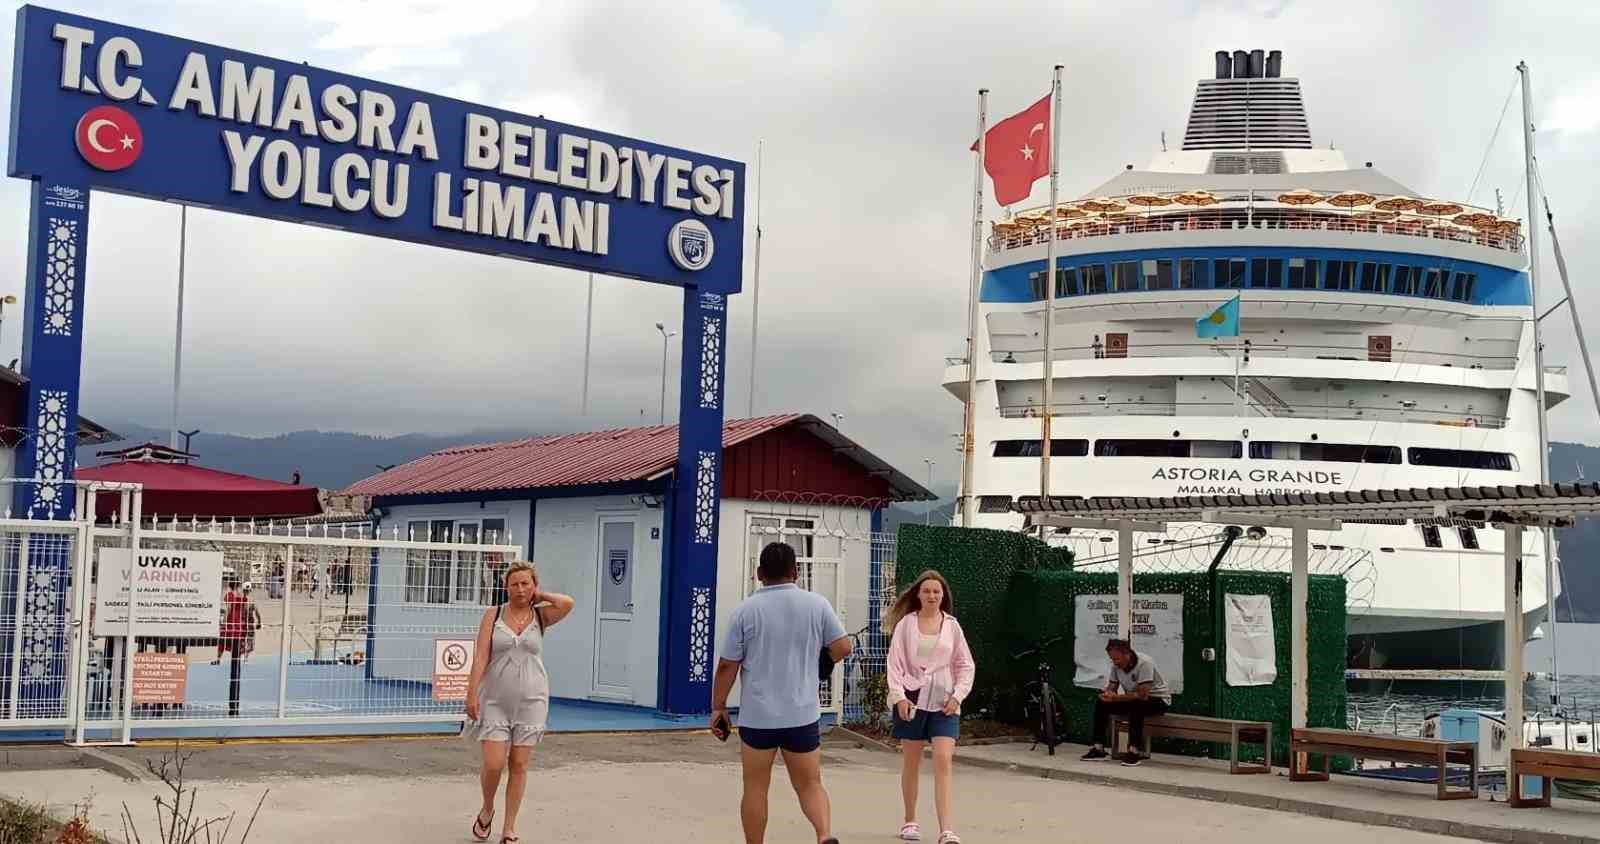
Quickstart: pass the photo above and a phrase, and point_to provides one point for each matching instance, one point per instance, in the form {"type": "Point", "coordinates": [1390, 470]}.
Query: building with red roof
{"type": "Point", "coordinates": [591, 510]}
{"type": "Point", "coordinates": [173, 486]}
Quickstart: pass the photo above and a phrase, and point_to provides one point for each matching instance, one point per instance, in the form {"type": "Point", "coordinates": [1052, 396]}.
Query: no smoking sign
{"type": "Point", "coordinates": [452, 664]}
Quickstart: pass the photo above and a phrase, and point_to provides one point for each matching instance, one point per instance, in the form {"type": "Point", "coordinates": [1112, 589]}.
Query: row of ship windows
{"type": "Point", "coordinates": [1239, 273]}
{"type": "Point", "coordinates": [1432, 537]}
{"type": "Point", "coordinates": [1450, 458]}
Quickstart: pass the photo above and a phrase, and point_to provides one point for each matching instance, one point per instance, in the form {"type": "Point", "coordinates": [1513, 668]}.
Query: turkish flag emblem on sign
{"type": "Point", "coordinates": [1017, 152]}
{"type": "Point", "coordinates": [109, 138]}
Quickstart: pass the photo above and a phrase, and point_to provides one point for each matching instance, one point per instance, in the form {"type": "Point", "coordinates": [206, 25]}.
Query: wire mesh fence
{"type": "Point", "coordinates": [865, 671]}
{"type": "Point", "coordinates": [348, 627]}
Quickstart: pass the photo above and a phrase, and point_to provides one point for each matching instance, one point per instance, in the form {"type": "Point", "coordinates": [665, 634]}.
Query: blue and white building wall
{"type": "Point", "coordinates": [589, 651]}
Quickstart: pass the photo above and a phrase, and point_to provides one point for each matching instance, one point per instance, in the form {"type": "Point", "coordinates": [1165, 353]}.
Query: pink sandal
{"type": "Point", "coordinates": [948, 837]}
{"type": "Point", "coordinates": [911, 832]}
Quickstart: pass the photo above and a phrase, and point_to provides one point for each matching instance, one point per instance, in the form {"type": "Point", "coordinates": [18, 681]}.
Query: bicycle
{"type": "Point", "coordinates": [1042, 705]}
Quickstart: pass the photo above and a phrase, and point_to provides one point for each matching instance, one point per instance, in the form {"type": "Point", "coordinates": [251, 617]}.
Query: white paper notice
{"type": "Point", "coordinates": [1252, 653]}
{"type": "Point", "coordinates": [1157, 633]}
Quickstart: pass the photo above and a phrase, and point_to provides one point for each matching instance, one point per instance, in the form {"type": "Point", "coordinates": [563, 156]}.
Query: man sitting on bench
{"type": "Point", "coordinates": [1136, 690]}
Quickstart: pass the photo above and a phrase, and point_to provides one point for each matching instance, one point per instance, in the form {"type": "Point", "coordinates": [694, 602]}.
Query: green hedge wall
{"type": "Point", "coordinates": [1012, 591]}
{"type": "Point", "coordinates": [979, 565]}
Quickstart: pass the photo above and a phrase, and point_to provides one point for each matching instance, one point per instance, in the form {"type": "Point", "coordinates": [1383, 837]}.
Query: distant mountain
{"type": "Point", "coordinates": [327, 459]}
{"type": "Point", "coordinates": [1580, 544]}
{"type": "Point", "coordinates": [918, 513]}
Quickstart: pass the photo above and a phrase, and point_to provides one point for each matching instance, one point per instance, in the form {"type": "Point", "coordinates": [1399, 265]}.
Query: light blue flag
{"type": "Point", "coordinates": [1223, 322]}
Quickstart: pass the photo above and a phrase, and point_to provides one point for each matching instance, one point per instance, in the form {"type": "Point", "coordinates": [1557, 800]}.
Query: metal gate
{"type": "Point", "coordinates": [340, 627]}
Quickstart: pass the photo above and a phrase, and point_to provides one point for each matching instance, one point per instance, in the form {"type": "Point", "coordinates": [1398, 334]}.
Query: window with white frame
{"type": "Point", "coordinates": [796, 533]}
{"type": "Point", "coordinates": [447, 576]}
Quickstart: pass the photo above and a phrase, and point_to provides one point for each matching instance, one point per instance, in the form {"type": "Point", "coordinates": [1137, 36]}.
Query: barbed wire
{"type": "Point", "coordinates": [1191, 548]}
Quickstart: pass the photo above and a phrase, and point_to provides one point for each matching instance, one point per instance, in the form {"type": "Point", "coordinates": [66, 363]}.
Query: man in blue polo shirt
{"type": "Point", "coordinates": [773, 645]}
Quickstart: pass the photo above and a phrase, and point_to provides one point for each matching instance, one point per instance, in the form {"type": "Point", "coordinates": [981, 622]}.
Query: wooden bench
{"type": "Point", "coordinates": [1215, 730]}
{"type": "Point", "coordinates": [1548, 764]}
{"type": "Point", "coordinates": [1357, 745]}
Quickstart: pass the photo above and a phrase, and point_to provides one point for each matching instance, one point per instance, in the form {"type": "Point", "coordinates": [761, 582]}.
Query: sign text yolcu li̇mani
{"type": "Point", "coordinates": [524, 155]}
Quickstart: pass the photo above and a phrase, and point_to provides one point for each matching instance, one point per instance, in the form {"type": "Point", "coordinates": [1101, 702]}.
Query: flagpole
{"type": "Point", "coordinates": [968, 501]}
{"type": "Point", "coordinates": [1050, 289]}
{"type": "Point", "coordinates": [588, 337]}
{"type": "Point", "coordinates": [755, 306]}
{"type": "Point", "coordinates": [1238, 399]}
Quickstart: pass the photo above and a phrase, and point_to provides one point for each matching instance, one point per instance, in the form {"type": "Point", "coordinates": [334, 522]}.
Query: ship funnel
{"type": "Point", "coordinates": [1224, 65]}
{"type": "Point", "coordinates": [1241, 64]}
{"type": "Point", "coordinates": [1275, 64]}
{"type": "Point", "coordinates": [1258, 63]}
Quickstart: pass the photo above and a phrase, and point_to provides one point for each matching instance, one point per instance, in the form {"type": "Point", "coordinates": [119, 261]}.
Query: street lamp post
{"type": "Point", "coordinates": [927, 518]}
{"type": "Point", "coordinates": [187, 436]}
{"type": "Point", "coordinates": [8, 300]}
{"type": "Point", "coordinates": [665, 335]}
{"type": "Point", "coordinates": [838, 421]}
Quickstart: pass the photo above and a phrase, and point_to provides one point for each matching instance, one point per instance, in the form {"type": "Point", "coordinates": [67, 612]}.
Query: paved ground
{"type": "Point", "coordinates": [1395, 804]}
{"type": "Point", "coordinates": [606, 788]}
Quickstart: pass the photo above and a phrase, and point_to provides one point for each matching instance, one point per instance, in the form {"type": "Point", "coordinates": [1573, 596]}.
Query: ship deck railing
{"type": "Point", "coordinates": [1252, 407]}
{"type": "Point", "coordinates": [1098, 349]}
{"type": "Point", "coordinates": [1007, 236]}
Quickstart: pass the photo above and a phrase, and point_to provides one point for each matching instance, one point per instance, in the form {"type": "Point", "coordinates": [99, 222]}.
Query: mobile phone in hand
{"type": "Point", "coordinates": [721, 728]}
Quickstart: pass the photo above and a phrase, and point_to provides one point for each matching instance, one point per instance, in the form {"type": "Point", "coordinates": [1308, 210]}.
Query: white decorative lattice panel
{"type": "Point", "coordinates": [60, 276]}
{"type": "Point", "coordinates": [50, 453]}
{"type": "Point", "coordinates": [705, 498]}
{"type": "Point", "coordinates": [700, 635]}
{"type": "Point", "coordinates": [710, 363]}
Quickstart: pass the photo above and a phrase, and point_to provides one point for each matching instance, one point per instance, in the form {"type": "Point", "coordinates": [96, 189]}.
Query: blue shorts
{"type": "Point", "coordinates": [802, 739]}
{"type": "Point", "coordinates": [926, 726]}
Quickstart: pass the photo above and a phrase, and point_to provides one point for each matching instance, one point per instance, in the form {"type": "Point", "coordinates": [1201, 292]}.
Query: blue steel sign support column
{"type": "Point", "coordinates": [692, 570]}
{"type": "Point", "coordinates": [106, 107]}
{"type": "Point", "coordinates": [52, 350]}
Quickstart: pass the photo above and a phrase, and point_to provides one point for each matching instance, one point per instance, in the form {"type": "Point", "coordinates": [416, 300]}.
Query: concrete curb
{"type": "Point", "coordinates": [863, 741]}
{"type": "Point", "coordinates": [1348, 814]}
{"type": "Point", "coordinates": [113, 764]}
{"type": "Point", "coordinates": [869, 743]}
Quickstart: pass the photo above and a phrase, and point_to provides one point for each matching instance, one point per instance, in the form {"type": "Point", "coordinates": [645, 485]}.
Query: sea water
{"type": "Point", "coordinates": [1400, 706]}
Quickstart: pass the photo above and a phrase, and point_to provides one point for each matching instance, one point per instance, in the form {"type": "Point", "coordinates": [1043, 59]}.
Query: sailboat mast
{"type": "Point", "coordinates": [1538, 376]}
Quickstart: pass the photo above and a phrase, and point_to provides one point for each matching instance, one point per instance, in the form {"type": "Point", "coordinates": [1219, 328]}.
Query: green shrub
{"type": "Point", "coordinates": [24, 823]}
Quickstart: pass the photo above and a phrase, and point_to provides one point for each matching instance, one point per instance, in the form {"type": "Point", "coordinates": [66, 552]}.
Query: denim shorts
{"type": "Point", "coordinates": [926, 726]}
{"type": "Point", "coordinates": [802, 739]}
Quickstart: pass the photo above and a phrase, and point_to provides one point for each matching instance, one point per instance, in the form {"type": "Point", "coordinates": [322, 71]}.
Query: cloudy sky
{"type": "Point", "coordinates": [866, 109]}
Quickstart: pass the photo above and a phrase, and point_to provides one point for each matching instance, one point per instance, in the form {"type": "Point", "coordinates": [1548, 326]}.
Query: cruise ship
{"type": "Point", "coordinates": [1384, 342]}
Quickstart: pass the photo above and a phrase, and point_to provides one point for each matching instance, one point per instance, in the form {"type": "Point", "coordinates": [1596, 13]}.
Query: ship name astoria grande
{"type": "Point", "coordinates": [1384, 342]}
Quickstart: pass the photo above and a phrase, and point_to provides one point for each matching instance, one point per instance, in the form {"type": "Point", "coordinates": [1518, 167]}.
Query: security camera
{"type": "Point", "coordinates": [1256, 533]}
{"type": "Point", "coordinates": [1101, 397]}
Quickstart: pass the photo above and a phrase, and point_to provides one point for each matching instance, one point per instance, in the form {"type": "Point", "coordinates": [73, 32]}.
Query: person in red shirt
{"type": "Point", "coordinates": [234, 605]}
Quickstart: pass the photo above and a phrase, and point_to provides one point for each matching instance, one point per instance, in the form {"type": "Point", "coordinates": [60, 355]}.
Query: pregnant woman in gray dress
{"type": "Point", "coordinates": [508, 692]}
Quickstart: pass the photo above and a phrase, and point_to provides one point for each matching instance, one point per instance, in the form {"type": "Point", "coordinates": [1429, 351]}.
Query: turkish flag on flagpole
{"type": "Point", "coordinates": [1017, 152]}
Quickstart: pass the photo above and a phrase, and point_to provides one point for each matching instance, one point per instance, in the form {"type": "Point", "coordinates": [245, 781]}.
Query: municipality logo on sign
{"type": "Point", "coordinates": [618, 566]}
{"type": "Point", "coordinates": [690, 244]}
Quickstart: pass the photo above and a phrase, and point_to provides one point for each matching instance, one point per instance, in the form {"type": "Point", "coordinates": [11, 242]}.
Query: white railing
{"type": "Point", "coordinates": [1275, 351]}
{"type": "Point", "coordinates": [1237, 217]}
{"type": "Point", "coordinates": [327, 644]}
{"type": "Point", "coordinates": [1251, 405]}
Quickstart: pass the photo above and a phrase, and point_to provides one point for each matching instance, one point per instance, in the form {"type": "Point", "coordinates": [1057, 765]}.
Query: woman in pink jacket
{"type": "Point", "coordinates": [930, 673]}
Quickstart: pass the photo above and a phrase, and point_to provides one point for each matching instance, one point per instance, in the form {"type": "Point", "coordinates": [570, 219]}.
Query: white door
{"type": "Point", "coordinates": [614, 616]}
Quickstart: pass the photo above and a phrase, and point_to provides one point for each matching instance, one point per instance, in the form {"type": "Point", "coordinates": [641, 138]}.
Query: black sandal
{"type": "Point", "coordinates": [479, 823]}
{"type": "Point", "coordinates": [510, 839]}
